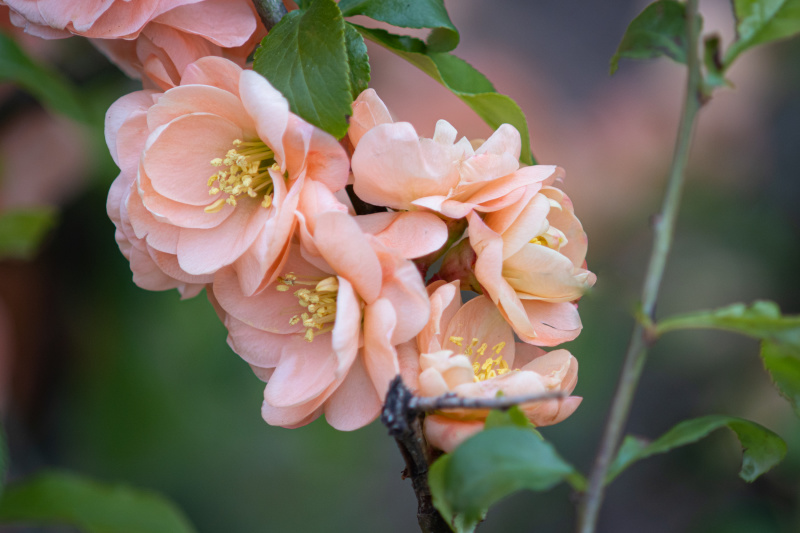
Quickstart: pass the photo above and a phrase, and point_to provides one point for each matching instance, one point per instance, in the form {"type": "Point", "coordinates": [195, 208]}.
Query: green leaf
{"type": "Point", "coordinates": [409, 14]}
{"type": "Point", "coordinates": [659, 30]}
{"type": "Point", "coordinates": [513, 417]}
{"type": "Point", "coordinates": [462, 79]}
{"type": "Point", "coordinates": [22, 231]}
{"type": "Point", "coordinates": [762, 449]}
{"type": "Point", "coordinates": [490, 466]}
{"type": "Point", "coordinates": [782, 361]}
{"type": "Point", "coordinates": [715, 72]}
{"type": "Point", "coordinates": [305, 57]}
{"type": "Point", "coordinates": [60, 498]}
{"type": "Point", "coordinates": [358, 60]}
{"type": "Point", "coordinates": [762, 21]}
{"type": "Point", "coordinates": [46, 85]}
{"type": "Point", "coordinates": [762, 320]}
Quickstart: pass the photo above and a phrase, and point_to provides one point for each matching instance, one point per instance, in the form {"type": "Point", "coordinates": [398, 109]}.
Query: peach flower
{"type": "Point", "coordinates": [469, 350]}
{"type": "Point", "coordinates": [211, 173]}
{"type": "Point", "coordinates": [394, 167]}
{"type": "Point", "coordinates": [153, 39]}
{"type": "Point", "coordinates": [324, 335]}
{"type": "Point", "coordinates": [531, 263]}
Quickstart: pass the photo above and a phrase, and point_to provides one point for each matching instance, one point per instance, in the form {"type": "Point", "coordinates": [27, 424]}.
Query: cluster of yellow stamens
{"type": "Point", "coordinates": [320, 301]}
{"type": "Point", "coordinates": [247, 173]}
{"type": "Point", "coordinates": [491, 367]}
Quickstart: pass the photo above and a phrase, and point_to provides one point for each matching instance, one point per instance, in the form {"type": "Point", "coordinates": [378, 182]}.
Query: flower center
{"type": "Point", "coordinates": [552, 237]}
{"type": "Point", "coordinates": [319, 302]}
{"type": "Point", "coordinates": [491, 367]}
{"type": "Point", "coordinates": [246, 171]}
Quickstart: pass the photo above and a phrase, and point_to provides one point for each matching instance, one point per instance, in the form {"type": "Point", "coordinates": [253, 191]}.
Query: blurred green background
{"type": "Point", "coordinates": [126, 385]}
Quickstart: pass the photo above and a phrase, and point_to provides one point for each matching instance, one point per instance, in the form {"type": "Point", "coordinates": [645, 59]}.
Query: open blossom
{"type": "Point", "coordinates": [324, 334]}
{"type": "Point", "coordinates": [531, 263]}
{"type": "Point", "coordinates": [394, 167]}
{"type": "Point", "coordinates": [150, 39]}
{"type": "Point", "coordinates": [469, 350]}
{"type": "Point", "coordinates": [211, 174]}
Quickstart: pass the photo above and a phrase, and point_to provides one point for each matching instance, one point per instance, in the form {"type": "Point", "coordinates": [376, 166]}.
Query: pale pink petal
{"type": "Point", "coordinates": [355, 403]}
{"type": "Point", "coordinates": [537, 272]}
{"type": "Point", "coordinates": [412, 234]}
{"type": "Point", "coordinates": [446, 433]}
{"type": "Point", "coordinates": [316, 152]}
{"type": "Point", "coordinates": [445, 300]}
{"type": "Point", "coordinates": [553, 323]}
{"type": "Point", "coordinates": [214, 71]}
{"type": "Point", "coordinates": [306, 370]}
{"type": "Point", "coordinates": [183, 175]}
{"type": "Point", "coordinates": [346, 249]}
{"type": "Point", "coordinates": [120, 112]}
{"type": "Point", "coordinates": [204, 251]}
{"type": "Point", "coordinates": [380, 357]}
{"type": "Point", "coordinates": [408, 360]}
{"type": "Point", "coordinates": [224, 22]}
{"type": "Point", "coordinates": [392, 166]}
{"type": "Point", "coordinates": [192, 99]}
{"type": "Point", "coordinates": [368, 112]}
{"type": "Point", "coordinates": [257, 347]}
{"type": "Point", "coordinates": [404, 288]}
{"type": "Point", "coordinates": [346, 330]}
{"type": "Point", "coordinates": [269, 110]}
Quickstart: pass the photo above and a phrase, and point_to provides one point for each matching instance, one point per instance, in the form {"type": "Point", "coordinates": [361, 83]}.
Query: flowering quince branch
{"type": "Point", "coordinates": [503, 403]}
{"type": "Point", "coordinates": [405, 425]}
{"type": "Point", "coordinates": [270, 11]}
{"type": "Point", "coordinates": [664, 229]}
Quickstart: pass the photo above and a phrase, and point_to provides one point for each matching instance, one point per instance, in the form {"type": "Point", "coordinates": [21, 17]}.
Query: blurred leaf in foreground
{"type": "Point", "coordinates": [60, 498]}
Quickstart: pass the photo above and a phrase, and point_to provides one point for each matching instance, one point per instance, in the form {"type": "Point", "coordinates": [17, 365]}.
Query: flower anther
{"type": "Point", "coordinates": [319, 302]}
{"type": "Point", "coordinates": [248, 165]}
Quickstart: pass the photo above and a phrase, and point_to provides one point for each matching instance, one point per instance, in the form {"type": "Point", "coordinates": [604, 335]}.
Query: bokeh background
{"type": "Point", "coordinates": [105, 379]}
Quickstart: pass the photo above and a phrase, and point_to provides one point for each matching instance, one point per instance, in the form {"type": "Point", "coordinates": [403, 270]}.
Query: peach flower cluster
{"type": "Point", "coordinates": [223, 188]}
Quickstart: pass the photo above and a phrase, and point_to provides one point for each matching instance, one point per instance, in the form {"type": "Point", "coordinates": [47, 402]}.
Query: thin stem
{"type": "Point", "coordinates": [664, 228]}
{"type": "Point", "coordinates": [270, 11]}
{"type": "Point", "coordinates": [451, 401]}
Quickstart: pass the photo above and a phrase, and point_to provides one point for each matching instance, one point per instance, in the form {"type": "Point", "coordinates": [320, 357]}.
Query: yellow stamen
{"type": "Point", "coordinates": [319, 302]}
{"type": "Point", "coordinates": [245, 172]}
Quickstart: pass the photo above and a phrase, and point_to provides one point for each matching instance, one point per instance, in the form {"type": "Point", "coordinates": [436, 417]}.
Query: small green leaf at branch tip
{"type": "Point", "coordinates": [23, 230]}
{"type": "Point", "coordinates": [463, 80]}
{"type": "Point", "coordinates": [61, 498]}
{"type": "Point", "coordinates": [305, 57]}
{"type": "Point", "coordinates": [409, 14]}
{"type": "Point", "coordinates": [46, 85]}
{"type": "Point", "coordinates": [761, 22]}
{"type": "Point", "coordinates": [491, 465]}
{"type": "Point", "coordinates": [659, 30]}
{"type": "Point", "coordinates": [715, 71]}
{"type": "Point", "coordinates": [762, 449]}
